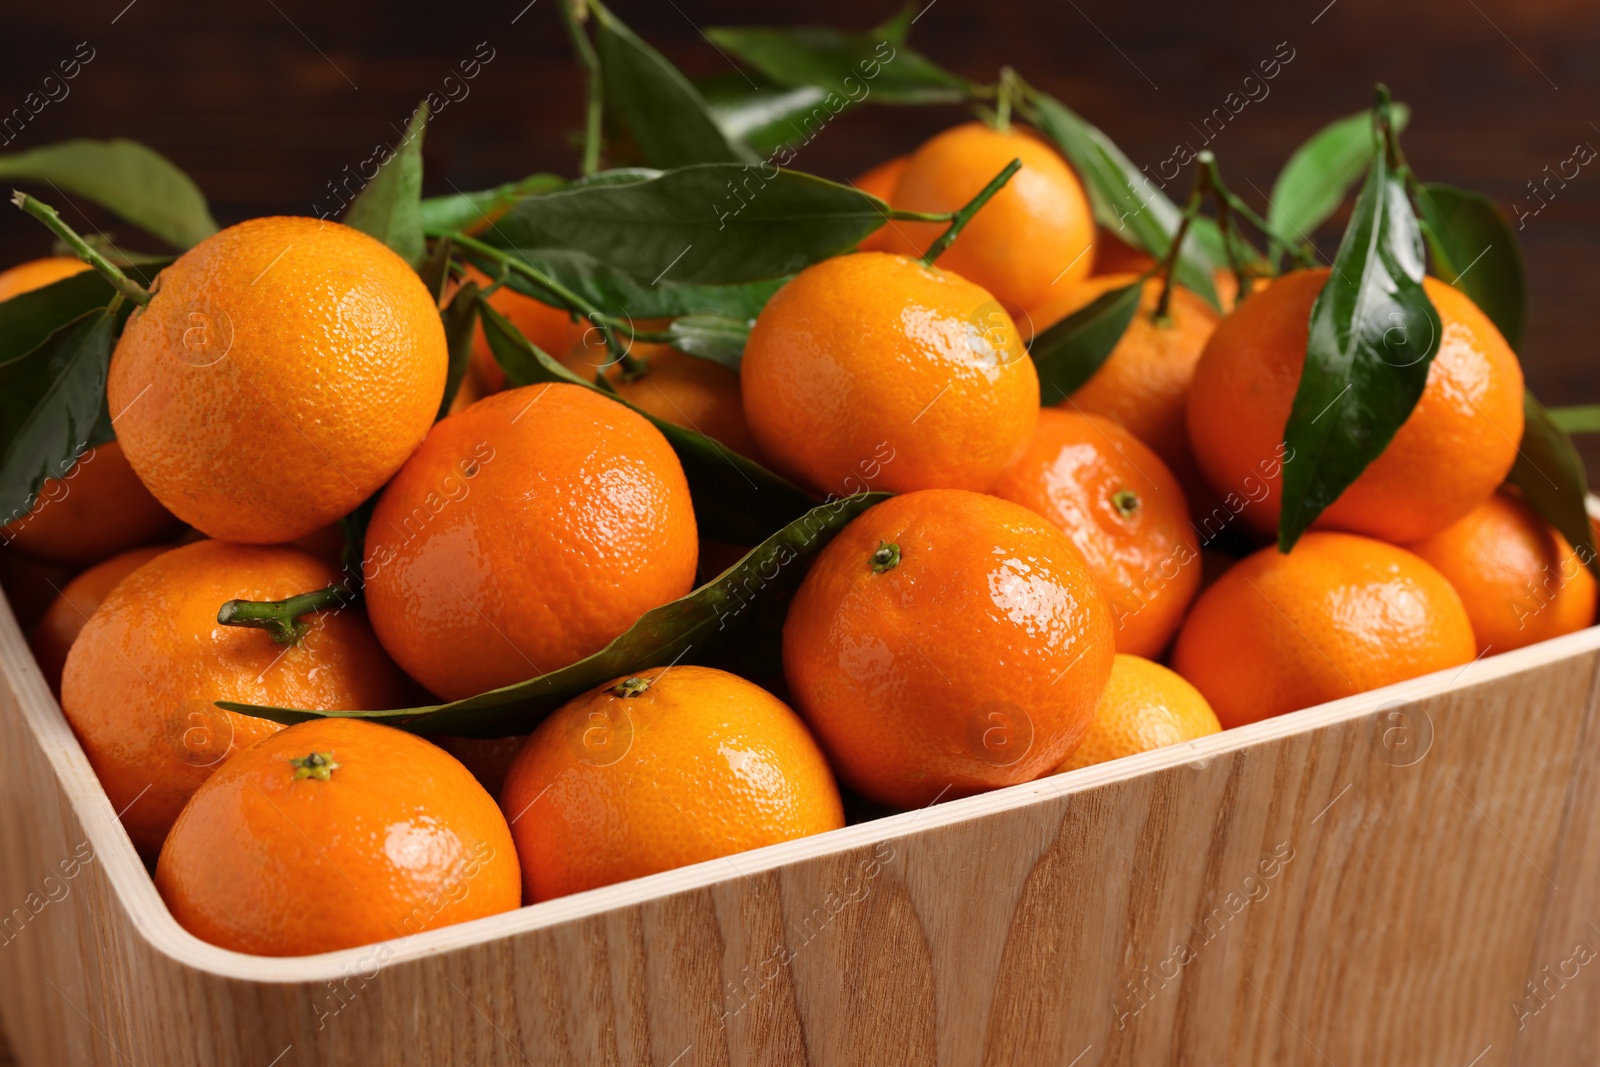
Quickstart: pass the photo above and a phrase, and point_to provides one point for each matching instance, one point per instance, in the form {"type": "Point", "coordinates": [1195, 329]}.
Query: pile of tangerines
{"type": "Point", "coordinates": [1048, 586]}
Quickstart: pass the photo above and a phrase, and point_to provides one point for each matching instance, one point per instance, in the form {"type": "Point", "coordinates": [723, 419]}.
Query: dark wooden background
{"type": "Point", "coordinates": [265, 101]}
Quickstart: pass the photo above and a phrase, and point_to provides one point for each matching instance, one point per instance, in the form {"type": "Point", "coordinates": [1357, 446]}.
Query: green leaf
{"type": "Point", "coordinates": [1475, 251]}
{"type": "Point", "coordinates": [28, 318]}
{"type": "Point", "coordinates": [1124, 200]}
{"type": "Point", "coordinates": [50, 401]}
{"type": "Point", "coordinates": [896, 29]}
{"type": "Point", "coordinates": [616, 292]}
{"type": "Point", "coordinates": [1317, 177]}
{"type": "Point", "coordinates": [390, 207]}
{"type": "Point", "coordinates": [1550, 474]}
{"type": "Point", "coordinates": [693, 629]}
{"type": "Point", "coordinates": [716, 224]}
{"type": "Point", "coordinates": [1373, 335]}
{"type": "Point", "coordinates": [854, 67]}
{"type": "Point", "coordinates": [666, 114]}
{"type": "Point", "coordinates": [768, 118]}
{"type": "Point", "coordinates": [1068, 353]}
{"type": "Point", "coordinates": [471, 211]}
{"type": "Point", "coordinates": [735, 499]}
{"type": "Point", "coordinates": [460, 318]}
{"type": "Point", "coordinates": [133, 182]}
{"type": "Point", "coordinates": [719, 338]}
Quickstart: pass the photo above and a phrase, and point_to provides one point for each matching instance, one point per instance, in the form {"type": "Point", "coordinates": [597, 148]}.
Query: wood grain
{"type": "Point", "coordinates": [1340, 885]}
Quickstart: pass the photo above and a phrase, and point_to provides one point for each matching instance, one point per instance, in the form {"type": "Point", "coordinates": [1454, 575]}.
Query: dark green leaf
{"type": "Point", "coordinates": [470, 212]}
{"type": "Point", "coordinates": [666, 114]}
{"type": "Point", "coordinates": [1550, 474]}
{"type": "Point", "coordinates": [126, 178]}
{"type": "Point", "coordinates": [390, 207]}
{"type": "Point", "coordinates": [719, 338]}
{"type": "Point", "coordinates": [1373, 336]}
{"type": "Point", "coordinates": [735, 499]}
{"type": "Point", "coordinates": [435, 271]}
{"type": "Point", "coordinates": [50, 401]}
{"type": "Point", "coordinates": [1475, 251]}
{"type": "Point", "coordinates": [896, 29]}
{"type": "Point", "coordinates": [1068, 353]}
{"type": "Point", "coordinates": [854, 67]}
{"type": "Point", "coordinates": [715, 224]}
{"type": "Point", "coordinates": [692, 629]}
{"type": "Point", "coordinates": [1315, 180]}
{"type": "Point", "coordinates": [770, 118]}
{"type": "Point", "coordinates": [616, 292]}
{"type": "Point", "coordinates": [1124, 200]}
{"type": "Point", "coordinates": [460, 324]}
{"type": "Point", "coordinates": [28, 318]}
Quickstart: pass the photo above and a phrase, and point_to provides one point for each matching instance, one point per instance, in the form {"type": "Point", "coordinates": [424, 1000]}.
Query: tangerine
{"type": "Point", "coordinates": [874, 369]}
{"type": "Point", "coordinates": [64, 619]}
{"type": "Point", "coordinates": [945, 643]}
{"type": "Point", "coordinates": [97, 509]}
{"type": "Point", "coordinates": [1339, 615]}
{"type": "Point", "coordinates": [335, 833]}
{"type": "Point", "coordinates": [1145, 706]}
{"type": "Point", "coordinates": [526, 533]}
{"type": "Point", "coordinates": [38, 273]}
{"type": "Point", "coordinates": [282, 371]}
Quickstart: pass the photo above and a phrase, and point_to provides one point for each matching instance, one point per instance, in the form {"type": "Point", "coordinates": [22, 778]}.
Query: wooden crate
{"type": "Point", "coordinates": [1411, 876]}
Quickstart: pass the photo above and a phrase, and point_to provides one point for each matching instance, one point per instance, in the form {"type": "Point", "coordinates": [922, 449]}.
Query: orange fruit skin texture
{"type": "Point", "coordinates": [548, 327]}
{"type": "Point", "coordinates": [1144, 383]}
{"type": "Point", "coordinates": [1339, 615]}
{"type": "Point", "coordinates": [99, 509]}
{"type": "Point", "coordinates": [973, 663]}
{"type": "Point", "coordinates": [64, 619]}
{"type": "Point", "coordinates": [1520, 580]}
{"type": "Point", "coordinates": [400, 838]}
{"type": "Point", "coordinates": [1145, 706]}
{"type": "Point", "coordinates": [1452, 452]}
{"type": "Point", "coordinates": [1145, 559]}
{"type": "Point", "coordinates": [38, 273]}
{"type": "Point", "coordinates": [324, 363]}
{"type": "Point", "coordinates": [141, 678]}
{"type": "Point", "coordinates": [525, 534]}
{"type": "Point", "coordinates": [873, 371]}
{"type": "Point", "coordinates": [880, 182]}
{"type": "Point", "coordinates": [1036, 232]}
{"type": "Point", "coordinates": [684, 390]}
{"type": "Point", "coordinates": [702, 764]}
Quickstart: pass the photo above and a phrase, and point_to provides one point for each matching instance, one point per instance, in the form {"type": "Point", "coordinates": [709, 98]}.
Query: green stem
{"type": "Point", "coordinates": [631, 368]}
{"type": "Point", "coordinates": [1169, 262]}
{"type": "Point", "coordinates": [1005, 92]}
{"type": "Point", "coordinates": [1584, 418]}
{"type": "Point", "coordinates": [1383, 128]}
{"type": "Point", "coordinates": [959, 220]}
{"type": "Point", "coordinates": [82, 248]}
{"type": "Point", "coordinates": [574, 13]}
{"type": "Point", "coordinates": [281, 618]}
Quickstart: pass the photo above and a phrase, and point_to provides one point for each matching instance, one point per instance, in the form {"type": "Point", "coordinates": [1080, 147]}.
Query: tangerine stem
{"type": "Point", "coordinates": [1169, 262]}
{"type": "Point", "coordinates": [959, 220]}
{"type": "Point", "coordinates": [81, 247]}
{"type": "Point", "coordinates": [574, 12]}
{"type": "Point", "coordinates": [280, 618]}
{"type": "Point", "coordinates": [1005, 90]}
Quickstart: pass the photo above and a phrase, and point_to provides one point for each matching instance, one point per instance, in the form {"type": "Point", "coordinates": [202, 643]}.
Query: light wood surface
{"type": "Point", "coordinates": [1281, 894]}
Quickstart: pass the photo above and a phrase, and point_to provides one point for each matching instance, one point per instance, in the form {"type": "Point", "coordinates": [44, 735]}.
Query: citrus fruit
{"type": "Point", "coordinates": [880, 182]}
{"type": "Point", "coordinates": [38, 273]}
{"type": "Point", "coordinates": [549, 328]}
{"type": "Point", "coordinates": [283, 370]}
{"type": "Point", "coordinates": [526, 533]}
{"type": "Point", "coordinates": [335, 833]}
{"type": "Point", "coordinates": [660, 769]}
{"type": "Point", "coordinates": [97, 509]}
{"type": "Point", "coordinates": [64, 619]}
{"type": "Point", "coordinates": [873, 370]}
{"type": "Point", "coordinates": [1122, 509]}
{"type": "Point", "coordinates": [1448, 456]}
{"type": "Point", "coordinates": [945, 643]}
{"type": "Point", "coordinates": [1036, 232]}
{"type": "Point", "coordinates": [1339, 615]}
{"type": "Point", "coordinates": [1519, 579]}
{"type": "Point", "coordinates": [684, 390]}
{"type": "Point", "coordinates": [1144, 706]}
{"type": "Point", "coordinates": [1144, 383]}
{"type": "Point", "coordinates": [1113, 255]}
{"type": "Point", "coordinates": [141, 678]}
